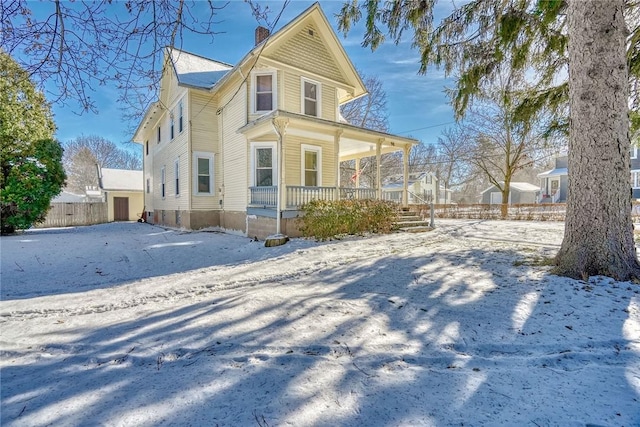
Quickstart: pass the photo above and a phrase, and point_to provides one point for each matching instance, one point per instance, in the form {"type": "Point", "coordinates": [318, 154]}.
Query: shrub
{"type": "Point", "coordinates": [325, 219]}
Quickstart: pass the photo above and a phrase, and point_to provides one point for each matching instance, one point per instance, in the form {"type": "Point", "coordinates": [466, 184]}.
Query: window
{"type": "Point", "coordinates": [180, 115]}
{"type": "Point", "coordinates": [146, 147]}
{"type": "Point", "coordinates": [311, 165]}
{"type": "Point", "coordinates": [634, 151]}
{"type": "Point", "coordinates": [310, 97]}
{"type": "Point", "coordinates": [264, 167]}
{"type": "Point", "coordinates": [176, 170]}
{"type": "Point", "coordinates": [148, 185]}
{"type": "Point", "coordinates": [162, 181]}
{"type": "Point", "coordinates": [158, 139]}
{"type": "Point", "coordinates": [203, 173]}
{"type": "Point", "coordinates": [635, 179]}
{"type": "Point", "coordinates": [171, 126]}
{"type": "Point", "coordinates": [265, 90]}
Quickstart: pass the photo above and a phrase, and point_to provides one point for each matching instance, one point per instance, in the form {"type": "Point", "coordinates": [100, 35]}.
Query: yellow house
{"type": "Point", "coordinates": [242, 147]}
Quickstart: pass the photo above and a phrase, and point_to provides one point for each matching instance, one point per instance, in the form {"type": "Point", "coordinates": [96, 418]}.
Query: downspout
{"type": "Point", "coordinates": [279, 186]}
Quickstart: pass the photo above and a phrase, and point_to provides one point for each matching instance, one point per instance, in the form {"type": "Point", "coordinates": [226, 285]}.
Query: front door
{"type": "Point", "coordinates": [121, 209]}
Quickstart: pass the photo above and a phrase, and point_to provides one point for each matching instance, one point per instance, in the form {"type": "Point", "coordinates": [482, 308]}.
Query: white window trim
{"type": "Point", "coordinates": [635, 176]}
{"type": "Point", "coordinates": [163, 184]}
{"type": "Point", "coordinates": [203, 155]}
{"type": "Point", "coordinates": [176, 177]}
{"type": "Point", "coordinates": [274, 88]}
{"type": "Point", "coordinates": [634, 152]}
{"type": "Point", "coordinates": [274, 157]}
{"type": "Point", "coordinates": [318, 96]}
{"type": "Point", "coordinates": [318, 150]}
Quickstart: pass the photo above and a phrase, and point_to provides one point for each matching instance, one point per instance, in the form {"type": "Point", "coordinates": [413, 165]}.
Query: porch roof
{"type": "Point", "coordinates": [355, 141]}
{"type": "Point", "coordinates": [554, 172]}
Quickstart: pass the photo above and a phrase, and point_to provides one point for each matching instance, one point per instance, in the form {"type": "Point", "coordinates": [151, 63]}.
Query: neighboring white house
{"type": "Point", "coordinates": [519, 193]}
{"type": "Point", "coordinates": [422, 188]}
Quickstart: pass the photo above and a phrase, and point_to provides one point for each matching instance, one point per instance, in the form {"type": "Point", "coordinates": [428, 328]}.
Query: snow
{"type": "Point", "coordinates": [132, 324]}
{"type": "Point", "coordinates": [197, 71]}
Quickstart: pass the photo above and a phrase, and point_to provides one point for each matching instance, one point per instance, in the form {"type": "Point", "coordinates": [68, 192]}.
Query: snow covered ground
{"type": "Point", "coordinates": [130, 324]}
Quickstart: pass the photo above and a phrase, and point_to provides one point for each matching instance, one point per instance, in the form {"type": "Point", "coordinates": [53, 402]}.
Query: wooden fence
{"type": "Point", "coordinates": [72, 214]}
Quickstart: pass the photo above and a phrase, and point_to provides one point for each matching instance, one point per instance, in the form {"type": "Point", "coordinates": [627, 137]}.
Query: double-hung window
{"type": "Point", "coordinates": [310, 97]}
{"type": "Point", "coordinates": [180, 116]}
{"type": "Point", "coordinates": [265, 91]}
{"type": "Point", "coordinates": [635, 179]}
{"type": "Point", "coordinates": [158, 139]}
{"type": "Point", "coordinates": [311, 165]}
{"type": "Point", "coordinates": [264, 166]}
{"type": "Point", "coordinates": [176, 173]}
{"type": "Point", "coordinates": [171, 126]}
{"type": "Point", "coordinates": [162, 181]}
{"type": "Point", "coordinates": [203, 174]}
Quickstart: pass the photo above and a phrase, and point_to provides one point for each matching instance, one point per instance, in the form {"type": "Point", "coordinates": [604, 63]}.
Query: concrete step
{"type": "Point", "coordinates": [418, 223]}
{"type": "Point", "coordinates": [416, 229]}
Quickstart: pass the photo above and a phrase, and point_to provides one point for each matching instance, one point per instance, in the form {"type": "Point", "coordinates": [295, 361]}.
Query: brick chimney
{"type": "Point", "coordinates": [261, 34]}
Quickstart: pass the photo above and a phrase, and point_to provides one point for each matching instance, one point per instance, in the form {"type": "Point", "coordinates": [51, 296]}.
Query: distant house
{"type": "Point", "coordinates": [422, 188]}
{"type": "Point", "coordinates": [635, 173]}
{"type": "Point", "coordinates": [519, 192]}
{"type": "Point", "coordinates": [124, 193]}
{"type": "Point", "coordinates": [554, 183]}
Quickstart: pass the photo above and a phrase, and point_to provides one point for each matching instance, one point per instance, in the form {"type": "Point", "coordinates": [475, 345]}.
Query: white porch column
{"type": "Point", "coordinates": [280, 127]}
{"type": "Point", "coordinates": [336, 150]}
{"type": "Point", "coordinates": [378, 168]}
{"type": "Point", "coordinates": [405, 171]}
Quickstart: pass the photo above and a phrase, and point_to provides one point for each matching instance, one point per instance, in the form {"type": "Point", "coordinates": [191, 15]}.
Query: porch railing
{"type": "Point", "coordinates": [265, 197]}
{"type": "Point", "coordinates": [299, 195]}
{"type": "Point", "coordinates": [358, 193]}
{"type": "Point", "coordinates": [296, 196]}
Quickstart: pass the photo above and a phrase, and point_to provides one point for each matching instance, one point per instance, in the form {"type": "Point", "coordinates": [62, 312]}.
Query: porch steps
{"type": "Point", "coordinates": [410, 222]}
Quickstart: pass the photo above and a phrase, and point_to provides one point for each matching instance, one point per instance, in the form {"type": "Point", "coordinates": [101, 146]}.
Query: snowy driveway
{"type": "Point", "coordinates": [130, 324]}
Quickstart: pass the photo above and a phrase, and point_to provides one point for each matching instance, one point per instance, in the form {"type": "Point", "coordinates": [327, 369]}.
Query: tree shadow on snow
{"type": "Point", "coordinates": [399, 341]}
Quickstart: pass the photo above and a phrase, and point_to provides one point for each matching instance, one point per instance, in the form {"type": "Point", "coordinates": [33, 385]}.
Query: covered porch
{"type": "Point", "coordinates": [296, 158]}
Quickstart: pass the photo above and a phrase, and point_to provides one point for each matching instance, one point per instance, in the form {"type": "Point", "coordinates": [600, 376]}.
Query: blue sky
{"type": "Point", "coordinates": [416, 103]}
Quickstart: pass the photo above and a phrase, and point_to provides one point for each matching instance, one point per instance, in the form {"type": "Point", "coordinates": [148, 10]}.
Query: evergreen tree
{"type": "Point", "coordinates": [483, 37]}
{"type": "Point", "coordinates": [31, 161]}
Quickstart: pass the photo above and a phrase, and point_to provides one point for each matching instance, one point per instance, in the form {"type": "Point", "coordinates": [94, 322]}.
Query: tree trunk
{"type": "Point", "coordinates": [598, 237]}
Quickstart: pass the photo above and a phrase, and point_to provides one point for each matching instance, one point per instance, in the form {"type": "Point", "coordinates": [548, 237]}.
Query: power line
{"type": "Point", "coordinates": [426, 127]}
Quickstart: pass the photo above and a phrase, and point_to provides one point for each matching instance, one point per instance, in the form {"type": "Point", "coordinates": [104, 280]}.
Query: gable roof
{"type": "Point", "coordinates": [196, 71]}
{"type": "Point", "coordinates": [312, 14]}
{"type": "Point", "coordinates": [554, 172]}
{"type": "Point", "coordinates": [524, 187]}
{"type": "Point", "coordinates": [120, 179]}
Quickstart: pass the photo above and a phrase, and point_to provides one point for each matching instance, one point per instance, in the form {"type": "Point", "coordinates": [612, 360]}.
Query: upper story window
{"type": "Point", "coordinates": [265, 91]}
{"type": "Point", "coordinates": [180, 116]}
{"type": "Point", "coordinates": [634, 151]}
{"type": "Point", "coordinates": [146, 147]}
{"type": "Point", "coordinates": [635, 179]}
{"type": "Point", "coordinates": [310, 97]}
